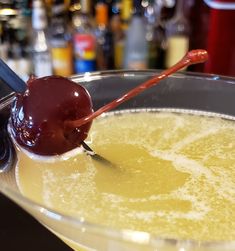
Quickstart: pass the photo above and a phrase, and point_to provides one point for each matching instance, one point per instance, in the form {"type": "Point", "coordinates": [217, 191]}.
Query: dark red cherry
{"type": "Point", "coordinates": [38, 115]}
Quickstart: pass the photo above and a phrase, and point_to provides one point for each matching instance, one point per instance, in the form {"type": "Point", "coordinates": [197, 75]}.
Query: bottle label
{"type": "Point", "coordinates": [176, 49]}
{"type": "Point", "coordinates": [84, 46]}
{"type": "Point", "coordinates": [136, 60]}
{"type": "Point", "coordinates": [152, 54]}
{"type": "Point", "coordinates": [42, 64]}
{"type": "Point", "coordinates": [118, 54]}
{"type": "Point", "coordinates": [62, 60]}
{"type": "Point", "coordinates": [84, 52]}
{"type": "Point", "coordinates": [137, 65]}
{"type": "Point", "coordinates": [84, 65]}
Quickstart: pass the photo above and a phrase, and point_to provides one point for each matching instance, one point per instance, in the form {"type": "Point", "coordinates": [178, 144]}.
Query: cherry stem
{"type": "Point", "coordinates": [192, 57]}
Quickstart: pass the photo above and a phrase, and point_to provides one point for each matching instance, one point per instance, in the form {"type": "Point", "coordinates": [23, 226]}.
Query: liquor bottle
{"type": "Point", "coordinates": [60, 40]}
{"type": "Point", "coordinates": [220, 38]}
{"type": "Point", "coordinates": [7, 40]}
{"type": "Point", "coordinates": [118, 34]}
{"type": "Point", "coordinates": [199, 26]}
{"type": "Point", "coordinates": [11, 60]}
{"type": "Point", "coordinates": [20, 60]}
{"type": "Point", "coordinates": [177, 31]}
{"type": "Point", "coordinates": [23, 31]}
{"type": "Point", "coordinates": [17, 61]}
{"type": "Point", "coordinates": [155, 35]}
{"type": "Point", "coordinates": [24, 62]}
{"type": "Point", "coordinates": [126, 12]}
{"type": "Point", "coordinates": [41, 53]}
{"type": "Point", "coordinates": [136, 44]}
{"type": "Point", "coordinates": [17, 51]}
{"type": "Point", "coordinates": [105, 52]}
{"type": "Point", "coordinates": [84, 40]}
{"type": "Point", "coordinates": [4, 42]}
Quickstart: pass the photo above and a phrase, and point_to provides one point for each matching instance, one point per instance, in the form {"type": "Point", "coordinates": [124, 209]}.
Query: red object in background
{"type": "Point", "coordinates": [213, 29]}
{"type": "Point", "coordinates": [221, 38]}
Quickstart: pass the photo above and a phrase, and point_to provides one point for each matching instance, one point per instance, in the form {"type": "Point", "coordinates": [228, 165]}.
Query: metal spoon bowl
{"type": "Point", "coordinates": [7, 150]}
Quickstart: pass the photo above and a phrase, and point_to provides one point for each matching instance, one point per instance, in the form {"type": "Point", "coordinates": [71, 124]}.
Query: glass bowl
{"type": "Point", "coordinates": [207, 93]}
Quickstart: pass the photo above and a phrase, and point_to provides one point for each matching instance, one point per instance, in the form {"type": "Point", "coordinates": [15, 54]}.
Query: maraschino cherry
{"type": "Point", "coordinates": [38, 115]}
{"type": "Point", "coordinates": [54, 114]}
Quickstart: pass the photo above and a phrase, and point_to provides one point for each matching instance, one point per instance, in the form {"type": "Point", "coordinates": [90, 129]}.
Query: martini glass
{"type": "Point", "coordinates": [190, 91]}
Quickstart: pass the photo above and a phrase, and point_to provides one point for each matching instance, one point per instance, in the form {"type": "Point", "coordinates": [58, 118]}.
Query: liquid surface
{"type": "Point", "coordinates": [175, 176]}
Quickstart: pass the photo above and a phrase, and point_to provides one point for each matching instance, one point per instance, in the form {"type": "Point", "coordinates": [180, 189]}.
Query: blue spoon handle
{"type": "Point", "coordinates": [11, 78]}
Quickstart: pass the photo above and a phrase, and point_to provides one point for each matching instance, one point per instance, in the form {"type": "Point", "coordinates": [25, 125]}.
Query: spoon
{"type": "Point", "coordinates": [96, 156]}
{"type": "Point", "coordinates": [7, 150]}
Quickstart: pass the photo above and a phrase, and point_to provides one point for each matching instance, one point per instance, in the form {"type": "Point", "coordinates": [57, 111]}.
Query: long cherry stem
{"type": "Point", "coordinates": [192, 57]}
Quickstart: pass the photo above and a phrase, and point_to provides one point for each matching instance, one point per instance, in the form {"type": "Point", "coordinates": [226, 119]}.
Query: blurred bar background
{"type": "Point", "coordinates": [65, 37]}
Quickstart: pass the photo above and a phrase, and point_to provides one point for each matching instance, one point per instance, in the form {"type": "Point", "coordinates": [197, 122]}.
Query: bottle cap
{"type": "Point", "coordinates": [138, 9]}
{"type": "Point", "coordinates": [101, 14]}
{"type": "Point", "coordinates": [126, 9]}
{"type": "Point", "coordinates": [85, 6]}
{"type": "Point", "coordinates": [39, 18]}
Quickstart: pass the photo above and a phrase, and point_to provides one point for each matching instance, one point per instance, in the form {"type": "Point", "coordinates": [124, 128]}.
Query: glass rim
{"type": "Point", "coordinates": [136, 237]}
{"type": "Point", "coordinates": [132, 236]}
{"type": "Point", "coordinates": [88, 76]}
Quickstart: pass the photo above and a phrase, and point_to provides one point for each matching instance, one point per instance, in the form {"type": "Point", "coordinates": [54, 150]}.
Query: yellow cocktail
{"type": "Point", "coordinates": [174, 176]}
